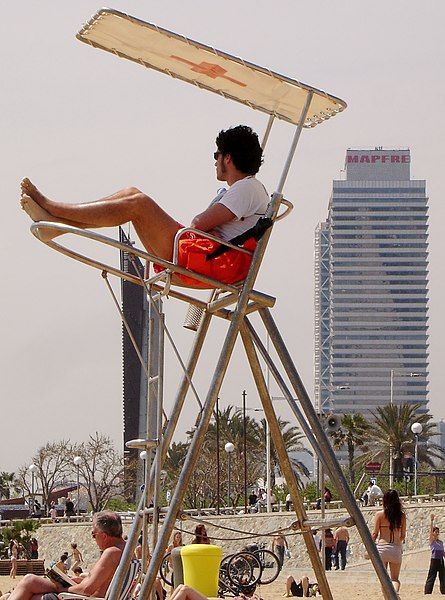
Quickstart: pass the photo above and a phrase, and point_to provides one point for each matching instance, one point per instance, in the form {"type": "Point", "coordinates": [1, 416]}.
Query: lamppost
{"type": "Point", "coordinates": [391, 402]}
{"type": "Point", "coordinates": [33, 468]}
{"type": "Point", "coordinates": [417, 429]}
{"type": "Point", "coordinates": [143, 457]}
{"type": "Point", "coordinates": [77, 460]}
{"type": "Point", "coordinates": [229, 448]}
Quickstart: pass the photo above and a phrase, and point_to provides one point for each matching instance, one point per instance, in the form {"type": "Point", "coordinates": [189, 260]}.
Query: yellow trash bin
{"type": "Point", "coordinates": [200, 563]}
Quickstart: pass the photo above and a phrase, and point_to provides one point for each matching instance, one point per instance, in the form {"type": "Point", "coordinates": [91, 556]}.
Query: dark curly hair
{"type": "Point", "coordinates": [243, 146]}
{"type": "Point", "coordinates": [392, 508]}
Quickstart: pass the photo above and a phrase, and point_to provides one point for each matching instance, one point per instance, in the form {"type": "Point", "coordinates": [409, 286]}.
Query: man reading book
{"type": "Point", "coordinates": [107, 531]}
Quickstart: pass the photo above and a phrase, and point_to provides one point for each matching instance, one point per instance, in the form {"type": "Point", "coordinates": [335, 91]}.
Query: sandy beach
{"type": "Point", "coordinates": [357, 582]}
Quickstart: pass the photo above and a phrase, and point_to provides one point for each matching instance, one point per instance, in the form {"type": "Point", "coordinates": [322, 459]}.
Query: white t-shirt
{"type": "Point", "coordinates": [248, 200]}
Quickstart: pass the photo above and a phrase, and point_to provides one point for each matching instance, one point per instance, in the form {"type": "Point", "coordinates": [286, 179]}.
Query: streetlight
{"type": "Point", "coordinates": [229, 448]}
{"type": "Point", "coordinates": [143, 457]}
{"type": "Point", "coordinates": [417, 429]}
{"type": "Point", "coordinates": [33, 468]}
{"type": "Point", "coordinates": [77, 460]}
{"type": "Point", "coordinates": [391, 402]}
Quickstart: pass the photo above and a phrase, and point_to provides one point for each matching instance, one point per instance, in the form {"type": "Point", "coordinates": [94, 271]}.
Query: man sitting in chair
{"type": "Point", "coordinates": [232, 213]}
{"type": "Point", "coordinates": [107, 532]}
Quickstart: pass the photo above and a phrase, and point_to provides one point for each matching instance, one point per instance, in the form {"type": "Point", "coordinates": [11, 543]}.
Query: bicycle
{"type": "Point", "coordinates": [270, 563]}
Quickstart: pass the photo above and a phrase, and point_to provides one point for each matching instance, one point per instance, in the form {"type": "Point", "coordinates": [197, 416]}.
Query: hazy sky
{"type": "Point", "coordinates": [82, 124]}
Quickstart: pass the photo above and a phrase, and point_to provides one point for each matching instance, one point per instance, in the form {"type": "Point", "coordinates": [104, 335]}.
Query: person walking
{"type": "Point", "coordinates": [389, 532]}
{"type": "Point", "coordinates": [341, 537]}
{"type": "Point", "coordinates": [279, 547]}
{"type": "Point", "coordinates": [13, 555]}
{"type": "Point", "coordinates": [436, 562]}
{"type": "Point", "coordinates": [329, 545]}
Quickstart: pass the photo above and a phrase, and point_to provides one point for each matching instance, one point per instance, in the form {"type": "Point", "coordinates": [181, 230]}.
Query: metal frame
{"type": "Point", "coordinates": [244, 300]}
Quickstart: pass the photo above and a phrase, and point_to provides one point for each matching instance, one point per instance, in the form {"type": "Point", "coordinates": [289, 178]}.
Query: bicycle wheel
{"type": "Point", "coordinates": [244, 569]}
{"type": "Point", "coordinates": [166, 570]}
{"type": "Point", "coordinates": [270, 566]}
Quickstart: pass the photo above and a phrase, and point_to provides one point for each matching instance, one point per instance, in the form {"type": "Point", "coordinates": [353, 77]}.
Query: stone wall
{"type": "Point", "coordinates": [56, 538]}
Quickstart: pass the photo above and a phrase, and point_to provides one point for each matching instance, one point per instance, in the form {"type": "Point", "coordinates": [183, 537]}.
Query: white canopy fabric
{"type": "Point", "coordinates": [207, 68]}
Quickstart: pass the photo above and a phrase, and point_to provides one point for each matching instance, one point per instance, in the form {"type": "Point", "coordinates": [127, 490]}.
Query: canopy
{"type": "Point", "coordinates": [207, 68]}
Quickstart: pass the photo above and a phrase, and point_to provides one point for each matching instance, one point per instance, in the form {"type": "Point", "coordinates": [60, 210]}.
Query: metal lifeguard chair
{"type": "Point", "coordinates": [281, 98]}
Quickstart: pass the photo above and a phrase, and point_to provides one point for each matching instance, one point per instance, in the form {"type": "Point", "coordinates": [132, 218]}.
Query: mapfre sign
{"type": "Point", "coordinates": [378, 159]}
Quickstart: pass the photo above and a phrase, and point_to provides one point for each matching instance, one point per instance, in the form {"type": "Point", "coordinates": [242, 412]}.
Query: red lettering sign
{"type": "Point", "coordinates": [353, 159]}
{"type": "Point", "coordinates": [364, 158]}
{"type": "Point", "coordinates": [405, 158]}
{"type": "Point", "coordinates": [395, 158]}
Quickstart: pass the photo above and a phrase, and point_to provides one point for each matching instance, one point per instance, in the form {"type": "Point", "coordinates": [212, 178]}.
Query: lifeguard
{"type": "Point", "coordinates": [233, 212]}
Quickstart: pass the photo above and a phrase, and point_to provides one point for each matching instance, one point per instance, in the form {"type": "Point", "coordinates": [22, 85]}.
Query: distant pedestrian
{"type": "Point", "coordinates": [34, 547]}
{"type": "Point", "coordinates": [374, 493]}
{"type": "Point", "coordinates": [69, 508]}
{"type": "Point", "coordinates": [288, 502]}
{"type": "Point", "coordinates": [13, 555]}
{"type": "Point", "coordinates": [329, 545]}
{"type": "Point", "coordinates": [389, 532]}
{"type": "Point", "coordinates": [53, 512]}
{"type": "Point", "coordinates": [341, 536]}
{"type": "Point", "coordinates": [279, 547]}
{"type": "Point", "coordinates": [76, 556]}
{"type": "Point", "coordinates": [436, 563]}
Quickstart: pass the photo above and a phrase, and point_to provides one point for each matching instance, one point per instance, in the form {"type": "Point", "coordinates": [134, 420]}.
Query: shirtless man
{"type": "Point", "coordinates": [237, 160]}
{"type": "Point", "coordinates": [107, 531]}
{"type": "Point", "coordinates": [341, 537]}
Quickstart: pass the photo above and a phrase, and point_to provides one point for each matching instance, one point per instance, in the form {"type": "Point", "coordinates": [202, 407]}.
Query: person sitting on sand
{"type": "Point", "coordinates": [107, 532]}
{"type": "Point", "coordinates": [302, 589]}
{"type": "Point", "coordinates": [232, 213]}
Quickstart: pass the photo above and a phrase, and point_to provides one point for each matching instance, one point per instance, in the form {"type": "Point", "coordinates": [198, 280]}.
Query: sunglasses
{"type": "Point", "coordinates": [217, 154]}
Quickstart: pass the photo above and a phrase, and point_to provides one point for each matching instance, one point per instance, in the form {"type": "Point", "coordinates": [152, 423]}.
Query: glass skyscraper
{"type": "Point", "coordinates": [371, 287]}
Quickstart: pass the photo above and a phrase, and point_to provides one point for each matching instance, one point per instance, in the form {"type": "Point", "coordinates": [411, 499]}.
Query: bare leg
{"type": "Point", "coordinates": [394, 569]}
{"type": "Point", "coordinates": [184, 592]}
{"type": "Point", "coordinates": [31, 585]}
{"type": "Point", "coordinates": [289, 582]}
{"type": "Point", "coordinates": [305, 586]}
{"type": "Point", "coordinates": [155, 228]}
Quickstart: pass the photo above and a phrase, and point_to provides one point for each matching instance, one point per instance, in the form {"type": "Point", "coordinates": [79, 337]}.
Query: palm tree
{"type": "Point", "coordinates": [293, 441]}
{"type": "Point", "coordinates": [352, 434]}
{"type": "Point", "coordinates": [392, 430]}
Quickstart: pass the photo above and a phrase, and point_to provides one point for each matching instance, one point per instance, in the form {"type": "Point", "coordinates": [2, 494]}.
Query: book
{"type": "Point", "coordinates": [59, 577]}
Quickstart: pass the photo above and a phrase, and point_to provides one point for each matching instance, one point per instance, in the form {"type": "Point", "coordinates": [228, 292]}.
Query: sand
{"type": "Point", "coordinates": [357, 582]}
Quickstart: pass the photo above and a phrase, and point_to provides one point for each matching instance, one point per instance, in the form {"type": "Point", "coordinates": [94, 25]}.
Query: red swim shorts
{"type": "Point", "coordinates": [230, 267]}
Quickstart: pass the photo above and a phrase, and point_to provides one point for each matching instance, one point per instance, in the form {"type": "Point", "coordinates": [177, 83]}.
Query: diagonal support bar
{"type": "Point", "coordinates": [285, 463]}
{"type": "Point", "coordinates": [327, 454]}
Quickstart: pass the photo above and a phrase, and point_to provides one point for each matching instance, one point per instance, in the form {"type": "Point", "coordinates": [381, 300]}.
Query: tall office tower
{"type": "Point", "coordinates": [371, 295]}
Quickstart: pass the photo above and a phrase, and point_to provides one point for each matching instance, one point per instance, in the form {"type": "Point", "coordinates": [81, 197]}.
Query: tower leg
{"type": "Point", "coordinates": [328, 455]}
{"type": "Point", "coordinates": [285, 463]}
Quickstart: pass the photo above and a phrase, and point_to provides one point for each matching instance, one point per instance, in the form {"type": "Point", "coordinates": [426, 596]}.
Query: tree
{"type": "Point", "coordinates": [352, 434]}
{"type": "Point", "coordinates": [6, 482]}
{"type": "Point", "coordinates": [53, 462]}
{"type": "Point", "coordinates": [293, 441]}
{"type": "Point", "coordinates": [101, 470]}
{"type": "Point", "coordinates": [392, 429]}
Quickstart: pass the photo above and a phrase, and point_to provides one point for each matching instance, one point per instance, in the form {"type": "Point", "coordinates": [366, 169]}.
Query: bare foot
{"type": "Point", "coordinates": [37, 213]}
{"type": "Point", "coordinates": [29, 189]}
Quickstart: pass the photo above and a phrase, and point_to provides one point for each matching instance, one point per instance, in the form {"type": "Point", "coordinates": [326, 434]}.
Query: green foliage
{"type": "Point", "coordinates": [310, 491]}
{"type": "Point", "coordinates": [21, 530]}
{"type": "Point", "coordinates": [120, 505]}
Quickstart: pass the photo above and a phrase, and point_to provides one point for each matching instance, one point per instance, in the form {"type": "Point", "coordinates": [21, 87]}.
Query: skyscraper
{"type": "Point", "coordinates": [371, 294]}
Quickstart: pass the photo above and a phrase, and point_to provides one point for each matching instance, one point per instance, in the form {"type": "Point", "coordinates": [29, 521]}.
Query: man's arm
{"type": "Point", "coordinates": [97, 582]}
{"type": "Point", "coordinates": [215, 215]}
